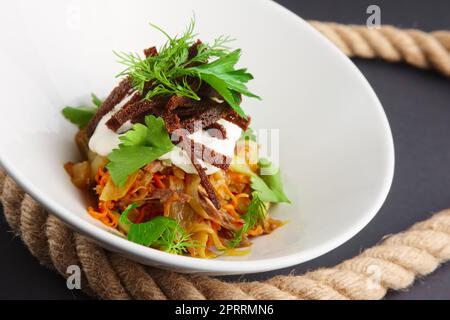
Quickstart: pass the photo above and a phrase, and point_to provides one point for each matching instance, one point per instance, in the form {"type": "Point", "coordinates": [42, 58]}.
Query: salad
{"type": "Point", "coordinates": [169, 157]}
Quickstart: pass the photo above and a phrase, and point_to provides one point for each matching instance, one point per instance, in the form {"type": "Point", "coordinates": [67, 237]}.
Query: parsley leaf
{"type": "Point", "coordinates": [272, 181]}
{"type": "Point", "coordinates": [221, 75]}
{"type": "Point", "coordinates": [264, 191]}
{"type": "Point", "coordinates": [81, 116]}
{"type": "Point", "coordinates": [160, 232]}
{"type": "Point", "coordinates": [139, 146]}
{"type": "Point", "coordinates": [268, 186]}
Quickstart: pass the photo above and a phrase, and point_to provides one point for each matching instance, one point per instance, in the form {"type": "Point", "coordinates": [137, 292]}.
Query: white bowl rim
{"type": "Point", "coordinates": [214, 266]}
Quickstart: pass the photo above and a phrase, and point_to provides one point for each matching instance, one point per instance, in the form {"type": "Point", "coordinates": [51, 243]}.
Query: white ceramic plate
{"type": "Point", "coordinates": [336, 149]}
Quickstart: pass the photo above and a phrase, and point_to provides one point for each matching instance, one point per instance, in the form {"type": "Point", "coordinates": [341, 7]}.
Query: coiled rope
{"type": "Point", "coordinates": [420, 49]}
{"type": "Point", "coordinates": [392, 264]}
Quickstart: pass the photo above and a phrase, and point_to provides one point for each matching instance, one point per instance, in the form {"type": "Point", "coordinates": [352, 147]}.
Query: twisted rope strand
{"type": "Point", "coordinates": [305, 288]}
{"type": "Point", "coordinates": [264, 291]}
{"type": "Point", "coordinates": [12, 197]}
{"type": "Point", "coordinates": [62, 250]}
{"type": "Point", "coordinates": [102, 277]}
{"type": "Point", "coordinates": [392, 264]}
{"type": "Point", "coordinates": [390, 275]}
{"type": "Point", "coordinates": [138, 282]}
{"type": "Point", "coordinates": [417, 48]}
{"type": "Point", "coordinates": [175, 286]}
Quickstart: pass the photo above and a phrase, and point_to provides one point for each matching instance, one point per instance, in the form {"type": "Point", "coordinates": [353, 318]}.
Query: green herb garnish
{"type": "Point", "coordinates": [256, 213]}
{"type": "Point", "coordinates": [160, 232]}
{"type": "Point", "coordinates": [139, 146]}
{"type": "Point", "coordinates": [169, 71]}
{"type": "Point", "coordinates": [96, 101]}
{"type": "Point", "coordinates": [82, 115]}
{"type": "Point", "coordinates": [269, 185]}
{"type": "Point", "coordinates": [249, 134]}
{"type": "Point", "coordinates": [267, 188]}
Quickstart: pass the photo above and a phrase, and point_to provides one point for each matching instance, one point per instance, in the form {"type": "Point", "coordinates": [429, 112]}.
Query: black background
{"type": "Point", "coordinates": [417, 104]}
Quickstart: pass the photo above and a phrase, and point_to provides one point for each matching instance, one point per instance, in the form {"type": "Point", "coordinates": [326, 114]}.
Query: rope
{"type": "Point", "coordinates": [392, 264]}
{"type": "Point", "coordinates": [417, 48]}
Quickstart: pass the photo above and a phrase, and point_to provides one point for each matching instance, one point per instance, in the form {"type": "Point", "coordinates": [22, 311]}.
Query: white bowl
{"type": "Point", "coordinates": [336, 148]}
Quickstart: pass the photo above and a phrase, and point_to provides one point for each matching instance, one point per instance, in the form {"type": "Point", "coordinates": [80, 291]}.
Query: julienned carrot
{"type": "Point", "coordinates": [104, 215]}
{"type": "Point", "coordinates": [231, 210]}
{"type": "Point", "coordinates": [157, 178]}
{"type": "Point", "coordinates": [99, 174]}
{"type": "Point", "coordinates": [238, 177]}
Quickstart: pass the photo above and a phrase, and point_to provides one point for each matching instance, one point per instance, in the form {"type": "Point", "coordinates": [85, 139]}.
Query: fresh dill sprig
{"type": "Point", "coordinates": [168, 72]}
{"type": "Point", "coordinates": [256, 213]}
{"type": "Point", "coordinates": [175, 241]}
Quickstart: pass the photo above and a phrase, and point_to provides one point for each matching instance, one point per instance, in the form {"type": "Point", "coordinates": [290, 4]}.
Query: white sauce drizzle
{"type": "Point", "coordinates": [181, 159]}
{"type": "Point", "coordinates": [104, 140]}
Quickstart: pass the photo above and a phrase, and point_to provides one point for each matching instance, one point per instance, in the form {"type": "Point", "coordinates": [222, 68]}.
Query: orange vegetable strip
{"type": "Point", "coordinates": [157, 178]}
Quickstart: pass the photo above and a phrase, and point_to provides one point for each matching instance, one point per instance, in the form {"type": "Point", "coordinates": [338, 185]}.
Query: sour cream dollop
{"type": "Point", "coordinates": [104, 140]}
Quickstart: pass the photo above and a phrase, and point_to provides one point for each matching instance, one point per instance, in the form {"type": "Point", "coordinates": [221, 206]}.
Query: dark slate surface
{"type": "Point", "coordinates": [418, 107]}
